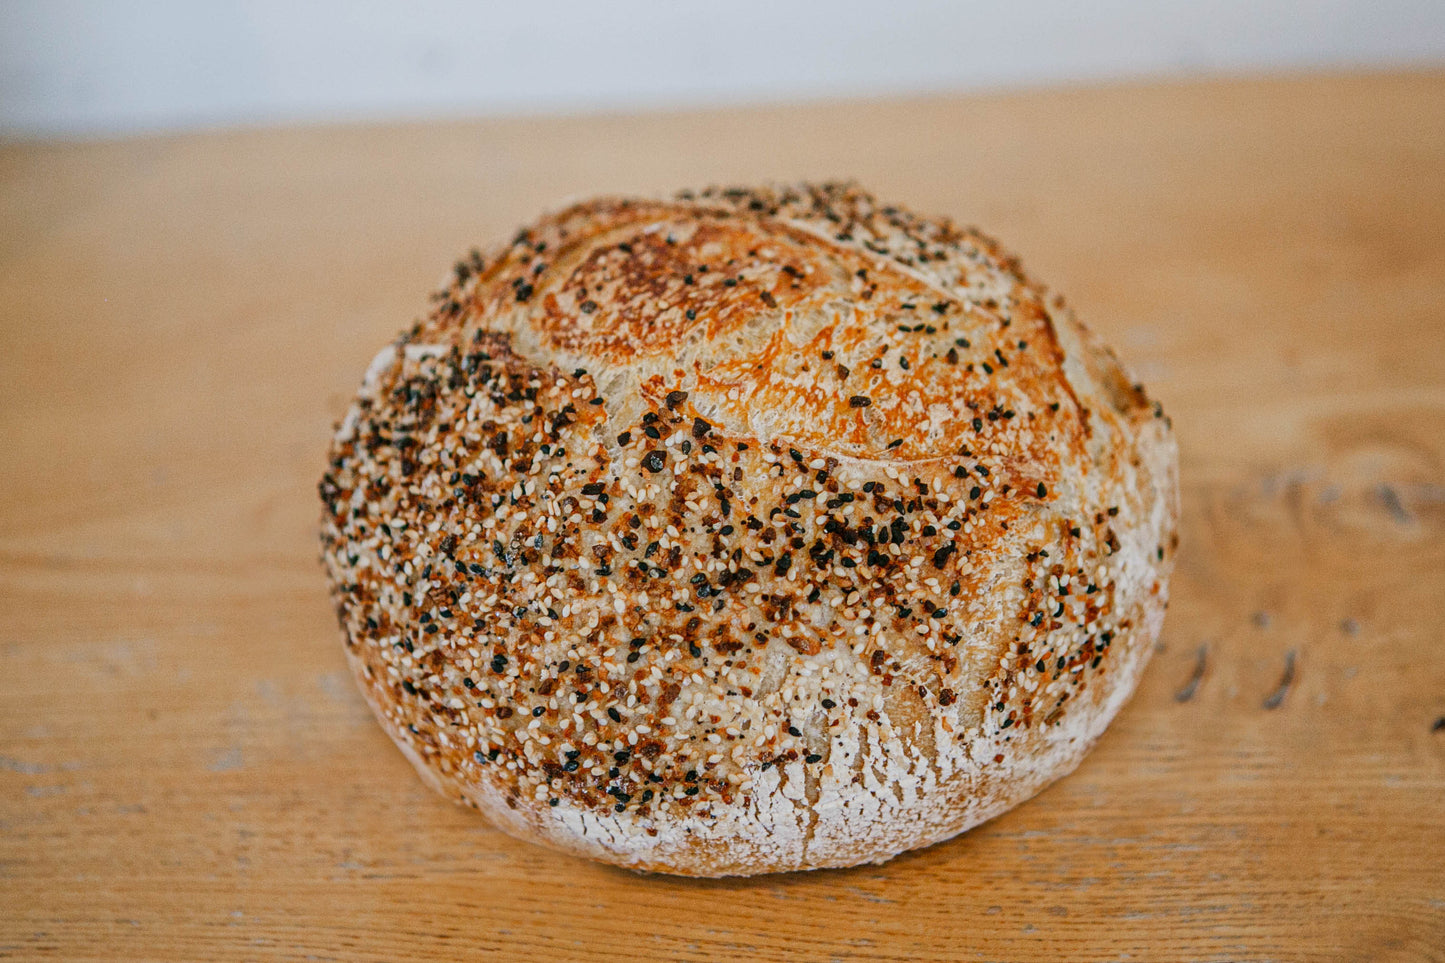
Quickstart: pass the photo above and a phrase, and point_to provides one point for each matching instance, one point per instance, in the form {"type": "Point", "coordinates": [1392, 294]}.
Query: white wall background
{"type": "Point", "coordinates": [84, 67]}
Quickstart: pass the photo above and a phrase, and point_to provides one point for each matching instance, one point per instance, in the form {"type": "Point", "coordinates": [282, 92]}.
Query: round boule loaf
{"type": "Point", "coordinates": [747, 531]}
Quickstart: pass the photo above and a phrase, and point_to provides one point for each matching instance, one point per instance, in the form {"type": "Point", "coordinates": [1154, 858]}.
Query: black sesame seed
{"type": "Point", "coordinates": [859, 401]}
{"type": "Point", "coordinates": [654, 461]}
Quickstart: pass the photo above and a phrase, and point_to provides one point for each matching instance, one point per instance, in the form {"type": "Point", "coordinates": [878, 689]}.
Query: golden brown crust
{"type": "Point", "coordinates": [747, 531]}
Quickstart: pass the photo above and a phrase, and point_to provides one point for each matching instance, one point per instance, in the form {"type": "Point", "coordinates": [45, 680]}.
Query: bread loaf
{"type": "Point", "coordinates": [747, 531]}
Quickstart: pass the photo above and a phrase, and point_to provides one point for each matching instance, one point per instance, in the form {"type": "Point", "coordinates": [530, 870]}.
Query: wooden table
{"type": "Point", "coordinates": [187, 772]}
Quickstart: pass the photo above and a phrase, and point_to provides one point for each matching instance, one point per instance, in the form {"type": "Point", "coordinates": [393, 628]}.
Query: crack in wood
{"type": "Point", "coordinates": [1191, 688]}
{"type": "Point", "coordinates": [1276, 698]}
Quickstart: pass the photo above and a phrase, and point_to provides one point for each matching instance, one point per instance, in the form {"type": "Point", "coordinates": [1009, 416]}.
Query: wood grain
{"type": "Point", "coordinates": [186, 771]}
